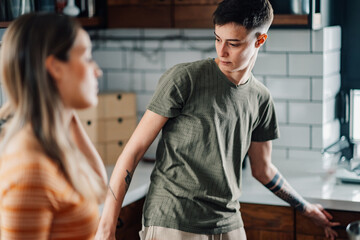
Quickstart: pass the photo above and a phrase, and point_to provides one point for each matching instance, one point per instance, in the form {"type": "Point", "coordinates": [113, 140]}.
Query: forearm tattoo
{"type": "Point", "coordinates": [128, 179]}
{"type": "Point", "coordinates": [282, 189]}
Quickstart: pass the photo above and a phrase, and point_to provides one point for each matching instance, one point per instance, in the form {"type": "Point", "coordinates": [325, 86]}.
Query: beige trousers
{"type": "Point", "coordinates": [161, 233]}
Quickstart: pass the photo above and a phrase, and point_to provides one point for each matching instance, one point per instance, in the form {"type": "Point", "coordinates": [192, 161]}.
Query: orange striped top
{"type": "Point", "coordinates": [37, 202]}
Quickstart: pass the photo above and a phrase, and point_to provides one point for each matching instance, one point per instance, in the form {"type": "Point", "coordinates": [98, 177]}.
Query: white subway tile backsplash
{"type": "Point", "coordinates": [317, 91]}
{"type": "Point", "coordinates": [142, 101]}
{"type": "Point", "coordinates": [291, 40]}
{"type": "Point", "coordinates": [138, 82]}
{"type": "Point", "coordinates": [331, 63]}
{"type": "Point", "coordinates": [147, 60]}
{"type": "Point", "coordinates": [281, 111]}
{"type": "Point", "coordinates": [325, 135]}
{"type": "Point", "coordinates": [332, 38]}
{"type": "Point", "coordinates": [203, 45]}
{"type": "Point", "coordinates": [305, 154]}
{"type": "Point", "coordinates": [317, 137]}
{"type": "Point", "coordinates": [326, 39]}
{"type": "Point", "coordinates": [153, 44]}
{"type": "Point", "coordinates": [270, 64]}
{"type": "Point", "coordinates": [289, 88]}
{"type": "Point", "coordinates": [331, 133]}
{"type": "Point", "coordinates": [151, 81]}
{"type": "Point", "coordinates": [329, 106]}
{"type": "Point", "coordinates": [161, 33]}
{"type": "Point", "coordinates": [123, 32]}
{"type": "Point", "coordinates": [175, 57]}
{"type": "Point", "coordinates": [109, 59]}
{"type": "Point", "coordinates": [119, 81]}
{"type": "Point", "coordinates": [120, 44]}
{"type": "Point", "coordinates": [211, 54]}
{"type": "Point", "coordinates": [305, 112]}
{"type": "Point", "coordinates": [332, 85]}
{"type": "Point", "coordinates": [293, 136]}
{"type": "Point", "coordinates": [172, 44]}
{"type": "Point", "coordinates": [317, 39]}
{"type": "Point", "coordinates": [199, 33]}
{"type": "Point", "coordinates": [306, 64]}
{"type": "Point", "coordinates": [278, 153]}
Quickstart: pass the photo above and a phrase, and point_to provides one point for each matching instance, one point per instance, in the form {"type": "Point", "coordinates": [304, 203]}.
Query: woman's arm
{"type": "Point", "coordinates": [85, 145]}
{"type": "Point", "coordinates": [144, 134]}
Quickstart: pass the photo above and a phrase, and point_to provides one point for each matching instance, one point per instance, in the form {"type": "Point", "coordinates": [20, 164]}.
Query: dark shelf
{"type": "Point", "coordinates": [291, 19]}
{"type": "Point", "coordinates": [85, 22]}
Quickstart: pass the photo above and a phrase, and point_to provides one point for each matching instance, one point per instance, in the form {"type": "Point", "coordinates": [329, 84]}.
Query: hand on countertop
{"type": "Point", "coordinates": [322, 218]}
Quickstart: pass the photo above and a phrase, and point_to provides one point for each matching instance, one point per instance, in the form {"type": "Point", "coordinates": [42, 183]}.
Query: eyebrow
{"type": "Point", "coordinates": [232, 40]}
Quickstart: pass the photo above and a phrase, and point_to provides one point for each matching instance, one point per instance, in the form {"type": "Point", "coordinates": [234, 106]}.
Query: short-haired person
{"type": "Point", "coordinates": [212, 113]}
{"type": "Point", "coordinates": [51, 177]}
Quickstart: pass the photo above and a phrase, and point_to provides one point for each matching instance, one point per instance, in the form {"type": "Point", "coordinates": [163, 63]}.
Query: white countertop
{"type": "Point", "coordinates": [307, 177]}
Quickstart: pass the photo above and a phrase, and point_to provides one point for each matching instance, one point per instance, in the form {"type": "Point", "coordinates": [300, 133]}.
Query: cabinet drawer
{"type": "Point", "coordinates": [113, 151]}
{"type": "Point", "coordinates": [119, 128]}
{"type": "Point", "coordinates": [93, 129]}
{"type": "Point", "coordinates": [268, 218]}
{"type": "Point", "coordinates": [306, 228]}
{"type": "Point", "coordinates": [119, 105]}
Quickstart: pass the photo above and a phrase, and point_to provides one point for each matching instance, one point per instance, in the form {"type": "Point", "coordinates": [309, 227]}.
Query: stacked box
{"type": "Point", "coordinates": [110, 124]}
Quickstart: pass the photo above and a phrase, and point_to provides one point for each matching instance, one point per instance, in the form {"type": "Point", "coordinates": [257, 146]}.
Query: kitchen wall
{"type": "Point", "coordinates": [301, 68]}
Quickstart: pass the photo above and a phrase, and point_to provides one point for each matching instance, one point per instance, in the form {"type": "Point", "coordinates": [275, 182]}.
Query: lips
{"type": "Point", "coordinates": [225, 62]}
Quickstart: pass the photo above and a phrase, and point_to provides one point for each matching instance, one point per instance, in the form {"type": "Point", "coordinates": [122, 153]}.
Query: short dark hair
{"type": "Point", "coordinates": [248, 13]}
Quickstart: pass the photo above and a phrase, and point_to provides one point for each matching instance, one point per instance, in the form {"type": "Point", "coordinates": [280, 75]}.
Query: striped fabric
{"type": "Point", "coordinates": [37, 202]}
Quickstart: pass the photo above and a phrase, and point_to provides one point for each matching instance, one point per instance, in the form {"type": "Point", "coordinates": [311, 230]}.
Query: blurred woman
{"type": "Point", "coordinates": [51, 177]}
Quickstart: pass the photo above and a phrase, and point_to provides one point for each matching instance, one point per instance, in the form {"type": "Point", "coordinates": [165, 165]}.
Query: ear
{"type": "Point", "coordinates": [261, 39]}
{"type": "Point", "coordinates": [54, 67]}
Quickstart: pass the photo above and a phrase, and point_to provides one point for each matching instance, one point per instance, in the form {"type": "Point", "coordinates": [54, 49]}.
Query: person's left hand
{"type": "Point", "coordinates": [321, 218]}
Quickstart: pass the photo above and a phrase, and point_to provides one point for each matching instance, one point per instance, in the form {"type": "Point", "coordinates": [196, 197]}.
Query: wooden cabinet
{"type": "Point", "coordinates": [129, 223]}
{"type": "Point", "coordinates": [110, 124]}
{"type": "Point", "coordinates": [198, 14]}
{"type": "Point", "coordinates": [161, 13]}
{"type": "Point", "coordinates": [194, 14]}
{"type": "Point", "coordinates": [139, 13]}
{"type": "Point", "coordinates": [264, 222]}
{"type": "Point", "coordinates": [306, 230]}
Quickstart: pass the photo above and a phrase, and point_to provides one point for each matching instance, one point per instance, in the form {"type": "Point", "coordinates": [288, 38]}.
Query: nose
{"type": "Point", "coordinates": [223, 51]}
{"type": "Point", "coordinates": [98, 72]}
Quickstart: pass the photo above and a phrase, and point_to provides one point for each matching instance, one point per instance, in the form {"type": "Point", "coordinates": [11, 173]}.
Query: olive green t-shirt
{"type": "Point", "coordinates": [196, 181]}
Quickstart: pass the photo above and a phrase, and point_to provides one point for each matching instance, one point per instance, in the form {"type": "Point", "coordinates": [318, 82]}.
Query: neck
{"type": "Point", "coordinates": [67, 116]}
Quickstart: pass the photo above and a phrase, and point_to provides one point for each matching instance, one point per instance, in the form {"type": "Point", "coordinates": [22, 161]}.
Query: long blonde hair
{"type": "Point", "coordinates": [34, 98]}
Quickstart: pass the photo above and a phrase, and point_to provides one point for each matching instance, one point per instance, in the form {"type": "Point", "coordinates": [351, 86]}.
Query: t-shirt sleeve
{"type": "Point", "coordinates": [267, 127]}
{"type": "Point", "coordinates": [171, 93]}
{"type": "Point", "coordinates": [25, 208]}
